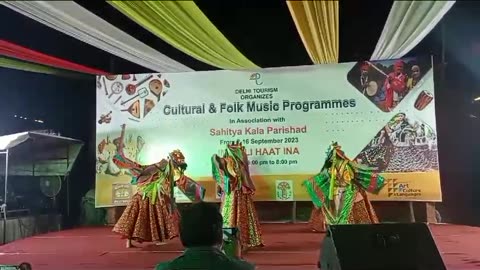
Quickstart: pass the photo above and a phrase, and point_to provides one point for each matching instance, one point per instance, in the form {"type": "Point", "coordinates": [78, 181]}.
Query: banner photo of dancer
{"type": "Point", "coordinates": [381, 112]}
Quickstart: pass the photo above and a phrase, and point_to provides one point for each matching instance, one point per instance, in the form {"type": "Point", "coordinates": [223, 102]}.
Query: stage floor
{"type": "Point", "coordinates": [288, 246]}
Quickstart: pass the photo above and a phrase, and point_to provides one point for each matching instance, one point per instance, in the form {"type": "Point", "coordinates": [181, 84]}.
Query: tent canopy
{"type": "Point", "coordinates": [39, 154]}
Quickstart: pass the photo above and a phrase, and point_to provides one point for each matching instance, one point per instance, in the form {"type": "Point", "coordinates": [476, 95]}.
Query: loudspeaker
{"type": "Point", "coordinates": [388, 246]}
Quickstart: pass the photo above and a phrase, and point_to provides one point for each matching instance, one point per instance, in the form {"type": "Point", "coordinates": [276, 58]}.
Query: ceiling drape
{"type": "Point", "coordinates": [11, 63]}
{"type": "Point", "coordinates": [407, 24]}
{"type": "Point", "coordinates": [16, 51]}
{"type": "Point", "coordinates": [76, 21]}
{"type": "Point", "coordinates": [183, 25]}
{"type": "Point", "coordinates": [317, 24]}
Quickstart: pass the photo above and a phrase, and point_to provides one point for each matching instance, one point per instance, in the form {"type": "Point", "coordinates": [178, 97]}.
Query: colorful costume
{"type": "Point", "coordinates": [339, 189]}
{"type": "Point", "coordinates": [151, 215]}
{"type": "Point", "coordinates": [232, 175]}
{"type": "Point", "coordinates": [317, 220]}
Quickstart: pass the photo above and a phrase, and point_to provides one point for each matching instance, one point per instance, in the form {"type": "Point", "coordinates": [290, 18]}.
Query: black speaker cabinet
{"type": "Point", "coordinates": [388, 246]}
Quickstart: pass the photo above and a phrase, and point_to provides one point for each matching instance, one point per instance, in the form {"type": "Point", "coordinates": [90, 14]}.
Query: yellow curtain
{"type": "Point", "coordinates": [317, 24]}
{"type": "Point", "coordinates": [184, 26]}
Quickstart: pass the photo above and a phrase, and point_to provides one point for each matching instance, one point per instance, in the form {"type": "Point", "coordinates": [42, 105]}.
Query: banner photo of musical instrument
{"type": "Point", "coordinates": [381, 112]}
{"type": "Point", "coordinates": [423, 99]}
{"type": "Point", "coordinates": [372, 88]}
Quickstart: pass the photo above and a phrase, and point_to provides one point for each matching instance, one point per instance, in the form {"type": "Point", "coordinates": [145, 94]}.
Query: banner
{"type": "Point", "coordinates": [381, 113]}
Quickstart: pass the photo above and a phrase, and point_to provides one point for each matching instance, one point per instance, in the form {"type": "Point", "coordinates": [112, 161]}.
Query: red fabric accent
{"type": "Point", "coordinates": [388, 95]}
{"type": "Point", "coordinates": [16, 51]}
{"type": "Point", "coordinates": [126, 163]}
{"type": "Point", "coordinates": [373, 183]}
{"type": "Point", "coordinates": [182, 183]}
{"type": "Point", "coordinates": [393, 83]}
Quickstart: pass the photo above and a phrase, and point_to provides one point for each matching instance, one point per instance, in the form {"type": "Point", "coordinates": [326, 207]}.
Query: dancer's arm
{"type": "Point", "coordinates": [317, 187]}
{"type": "Point", "coordinates": [247, 183]}
{"type": "Point", "coordinates": [194, 191]}
{"type": "Point", "coordinates": [220, 174]}
{"type": "Point", "coordinates": [366, 179]}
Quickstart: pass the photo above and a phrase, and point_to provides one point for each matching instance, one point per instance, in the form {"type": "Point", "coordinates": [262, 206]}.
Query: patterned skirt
{"type": "Point", "coordinates": [317, 220]}
{"type": "Point", "coordinates": [238, 210]}
{"type": "Point", "coordinates": [362, 213]}
{"type": "Point", "coordinates": [146, 222]}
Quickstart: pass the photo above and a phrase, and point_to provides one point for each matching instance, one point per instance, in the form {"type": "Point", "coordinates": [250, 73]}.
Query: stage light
{"type": "Point", "coordinates": [476, 99]}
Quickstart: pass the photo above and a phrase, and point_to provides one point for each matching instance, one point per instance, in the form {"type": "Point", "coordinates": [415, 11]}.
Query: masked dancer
{"type": "Point", "coordinates": [151, 214]}
{"type": "Point", "coordinates": [232, 175]}
{"type": "Point", "coordinates": [339, 190]}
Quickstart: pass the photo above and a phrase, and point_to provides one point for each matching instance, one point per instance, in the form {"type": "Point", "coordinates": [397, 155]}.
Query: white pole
{"type": "Point", "coordinates": [4, 206]}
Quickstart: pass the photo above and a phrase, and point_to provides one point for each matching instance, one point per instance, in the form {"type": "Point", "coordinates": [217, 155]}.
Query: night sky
{"type": "Point", "coordinates": [265, 33]}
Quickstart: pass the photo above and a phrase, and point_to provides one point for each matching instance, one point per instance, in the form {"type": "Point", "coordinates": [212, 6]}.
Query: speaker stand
{"type": "Point", "coordinates": [431, 212]}
{"type": "Point", "coordinates": [412, 212]}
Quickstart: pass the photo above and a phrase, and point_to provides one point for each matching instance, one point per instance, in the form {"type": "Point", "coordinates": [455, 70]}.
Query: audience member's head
{"type": "Point", "coordinates": [25, 266]}
{"type": "Point", "coordinates": [201, 226]}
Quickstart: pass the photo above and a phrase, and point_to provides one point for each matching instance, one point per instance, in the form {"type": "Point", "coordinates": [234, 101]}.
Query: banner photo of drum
{"type": "Point", "coordinates": [423, 100]}
{"type": "Point", "coordinates": [371, 89]}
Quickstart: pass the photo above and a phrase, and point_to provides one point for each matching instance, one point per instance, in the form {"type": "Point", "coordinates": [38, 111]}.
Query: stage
{"type": "Point", "coordinates": [288, 246]}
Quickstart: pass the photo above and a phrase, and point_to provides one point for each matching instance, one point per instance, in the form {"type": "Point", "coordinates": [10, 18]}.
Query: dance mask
{"type": "Point", "coordinates": [334, 151]}
{"type": "Point", "coordinates": [178, 159]}
{"type": "Point", "coordinates": [235, 150]}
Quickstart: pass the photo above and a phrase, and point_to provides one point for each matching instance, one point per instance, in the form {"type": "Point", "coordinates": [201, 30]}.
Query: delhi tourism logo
{"type": "Point", "coordinates": [284, 190]}
{"type": "Point", "coordinates": [257, 78]}
{"type": "Point", "coordinates": [401, 189]}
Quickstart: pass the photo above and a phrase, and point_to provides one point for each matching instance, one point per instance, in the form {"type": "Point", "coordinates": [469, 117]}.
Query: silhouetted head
{"type": "Point", "coordinates": [25, 266]}
{"type": "Point", "coordinates": [201, 226]}
{"type": "Point", "coordinates": [364, 67]}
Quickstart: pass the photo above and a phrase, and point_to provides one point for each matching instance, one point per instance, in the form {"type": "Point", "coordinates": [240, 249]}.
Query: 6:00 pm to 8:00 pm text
{"type": "Point", "coordinates": [278, 162]}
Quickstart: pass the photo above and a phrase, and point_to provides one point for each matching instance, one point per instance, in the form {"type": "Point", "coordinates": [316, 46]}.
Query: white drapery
{"type": "Point", "coordinates": [72, 19]}
{"type": "Point", "coordinates": [407, 24]}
